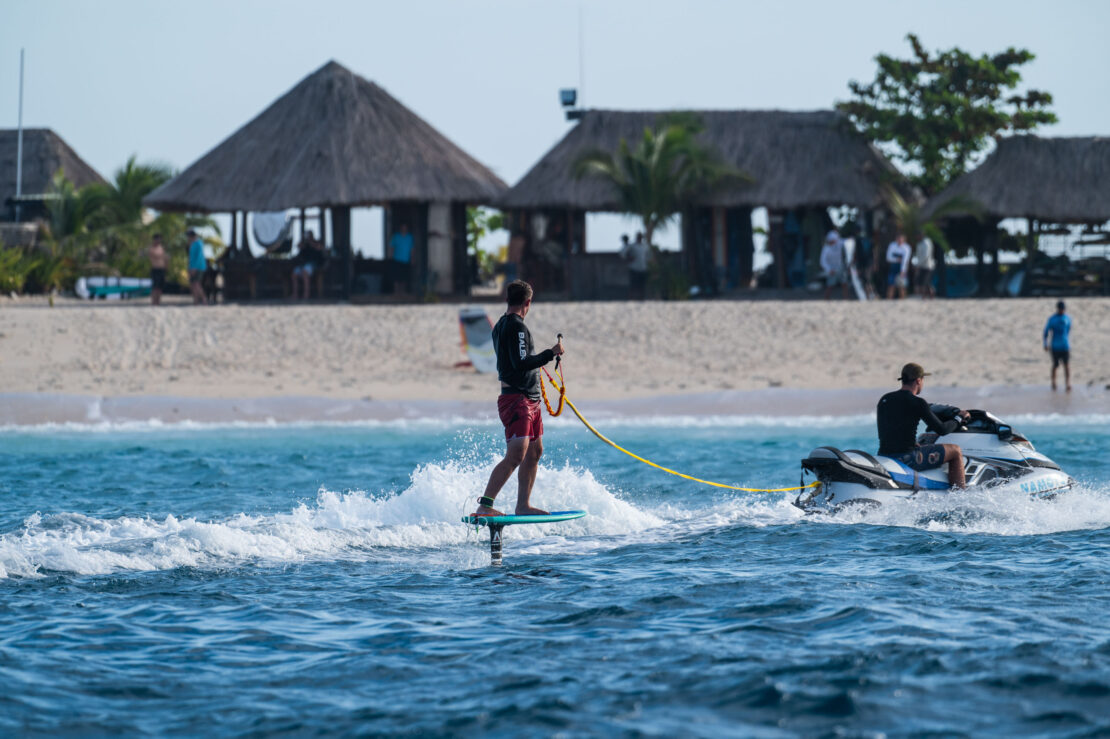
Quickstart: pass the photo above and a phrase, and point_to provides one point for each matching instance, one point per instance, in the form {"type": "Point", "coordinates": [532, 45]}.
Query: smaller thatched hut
{"type": "Point", "coordinates": [1053, 180]}
{"type": "Point", "coordinates": [801, 164]}
{"type": "Point", "coordinates": [333, 142]}
{"type": "Point", "coordinates": [1051, 183]}
{"type": "Point", "coordinates": [45, 153]}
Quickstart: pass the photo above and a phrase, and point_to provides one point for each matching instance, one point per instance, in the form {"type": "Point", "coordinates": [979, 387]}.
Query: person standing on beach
{"type": "Point", "coordinates": [832, 264]}
{"type": "Point", "coordinates": [1059, 326]}
{"type": "Point", "coordinates": [898, 266]}
{"type": "Point", "coordinates": [924, 264]}
{"type": "Point", "coordinates": [519, 404]}
{"type": "Point", "coordinates": [197, 267]}
{"type": "Point", "coordinates": [400, 247]}
{"type": "Point", "coordinates": [636, 254]}
{"type": "Point", "coordinates": [157, 255]}
{"type": "Point", "coordinates": [897, 416]}
{"type": "Point", "coordinates": [310, 257]}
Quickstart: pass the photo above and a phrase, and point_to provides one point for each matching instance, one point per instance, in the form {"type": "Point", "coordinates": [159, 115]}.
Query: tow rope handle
{"type": "Point", "coordinates": [563, 398]}
{"type": "Point", "coordinates": [561, 388]}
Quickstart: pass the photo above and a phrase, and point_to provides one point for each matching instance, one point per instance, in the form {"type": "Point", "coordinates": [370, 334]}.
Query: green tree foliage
{"type": "Point", "coordinates": [937, 112]}
{"type": "Point", "coordinates": [121, 202]}
{"type": "Point", "coordinates": [104, 229]}
{"type": "Point", "coordinates": [15, 267]}
{"type": "Point", "coordinates": [661, 173]}
{"type": "Point", "coordinates": [910, 218]}
{"type": "Point", "coordinates": [481, 222]}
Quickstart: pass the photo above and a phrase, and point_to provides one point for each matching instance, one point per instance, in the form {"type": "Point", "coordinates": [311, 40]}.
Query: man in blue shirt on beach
{"type": "Point", "coordinates": [400, 246]}
{"type": "Point", "coordinates": [1059, 326]}
{"type": "Point", "coordinates": [197, 266]}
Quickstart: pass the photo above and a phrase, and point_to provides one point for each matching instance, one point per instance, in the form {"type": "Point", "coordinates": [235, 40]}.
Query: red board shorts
{"type": "Point", "coordinates": [521, 417]}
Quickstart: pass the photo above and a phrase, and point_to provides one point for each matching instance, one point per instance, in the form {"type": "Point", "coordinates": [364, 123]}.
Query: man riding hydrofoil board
{"type": "Point", "coordinates": [519, 406]}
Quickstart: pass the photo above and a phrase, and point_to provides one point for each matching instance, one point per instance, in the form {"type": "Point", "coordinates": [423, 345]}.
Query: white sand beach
{"type": "Point", "coordinates": [723, 355]}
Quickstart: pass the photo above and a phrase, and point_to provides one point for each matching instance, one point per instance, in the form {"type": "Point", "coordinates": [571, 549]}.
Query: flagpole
{"type": "Point", "coordinates": [19, 143]}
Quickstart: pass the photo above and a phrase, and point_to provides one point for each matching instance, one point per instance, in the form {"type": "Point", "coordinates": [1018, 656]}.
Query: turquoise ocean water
{"type": "Point", "coordinates": [314, 579]}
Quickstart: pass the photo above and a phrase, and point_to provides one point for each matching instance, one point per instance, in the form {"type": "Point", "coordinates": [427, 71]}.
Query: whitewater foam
{"type": "Point", "coordinates": [352, 525]}
{"type": "Point", "coordinates": [990, 511]}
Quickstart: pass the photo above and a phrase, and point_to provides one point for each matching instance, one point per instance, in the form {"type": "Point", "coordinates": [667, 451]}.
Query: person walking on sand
{"type": "Point", "coordinates": [519, 404]}
{"type": "Point", "coordinates": [898, 266]}
{"type": "Point", "coordinates": [157, 255]}
{"type": "Point", "coordinates": [197, 267]}
{"type": "Point", "coordinates": [1059, 326]}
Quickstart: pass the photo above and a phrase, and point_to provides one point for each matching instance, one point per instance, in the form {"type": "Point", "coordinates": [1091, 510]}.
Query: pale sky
{"type": "Point", "coordinates": [168, 80]}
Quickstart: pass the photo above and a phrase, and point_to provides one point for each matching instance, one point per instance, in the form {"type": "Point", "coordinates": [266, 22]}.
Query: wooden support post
{"type": "Point", "coordinates": [341, 228]}
{"type": "Point", "coordinates": [243, 243]}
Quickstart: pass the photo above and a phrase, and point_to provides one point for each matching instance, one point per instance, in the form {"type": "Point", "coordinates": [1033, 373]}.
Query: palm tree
{"type": "Point", "coordinates": [665, 170]}
{"type": "Point", "coordinates": [122, 202]}
{"type": "Point", "coordinates": [909, 217]}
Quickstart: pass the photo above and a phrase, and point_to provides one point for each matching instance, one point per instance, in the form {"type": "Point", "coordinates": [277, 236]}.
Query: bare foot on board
{"type": "Point", "coordinates": [530, 511]}
{"type": "Point", "coordinates": [485, 510]}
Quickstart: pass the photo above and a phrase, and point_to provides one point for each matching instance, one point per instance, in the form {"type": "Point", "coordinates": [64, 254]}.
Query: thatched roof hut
{"type": "Point", "coordinates": [44, 153]}
{"type": "Point", "coordinates": [797, 159]}
{"type": "Point", "coordinates": [335, 139]}
{"type": "Point", "coordinates": [1057, 180]}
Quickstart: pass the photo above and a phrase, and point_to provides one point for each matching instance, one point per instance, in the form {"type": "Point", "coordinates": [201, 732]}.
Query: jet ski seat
{"type": "Point", "coordinates": [860, 467]}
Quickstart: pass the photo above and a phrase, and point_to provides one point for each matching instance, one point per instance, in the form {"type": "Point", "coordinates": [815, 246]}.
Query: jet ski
{"type": "Point", "coordinates": [995, 455]}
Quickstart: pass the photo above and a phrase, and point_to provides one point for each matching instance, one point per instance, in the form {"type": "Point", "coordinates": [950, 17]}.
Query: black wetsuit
{"type": "Point", "coordinates": [517, 367]}
{"type": "Point", "coordinates": [898, 414]}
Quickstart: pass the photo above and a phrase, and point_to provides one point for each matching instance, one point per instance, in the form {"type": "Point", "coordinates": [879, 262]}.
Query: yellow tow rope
{"type": "Point", "coordinates": [564, 399]}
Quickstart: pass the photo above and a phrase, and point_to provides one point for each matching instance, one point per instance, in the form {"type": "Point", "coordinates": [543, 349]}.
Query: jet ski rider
{"type": "Point", "coordinates": [898, 414]}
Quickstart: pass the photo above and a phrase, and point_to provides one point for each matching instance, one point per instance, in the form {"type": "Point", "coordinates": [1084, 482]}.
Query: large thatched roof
{"type": "Point", "coordinates": [1062, 180]}
{"type": "Point", "coordinates": [44, 153]}
{"type": "Point", "coordinates": [796, 158]}
{"type": "Point", "coordinates": [334, 139]}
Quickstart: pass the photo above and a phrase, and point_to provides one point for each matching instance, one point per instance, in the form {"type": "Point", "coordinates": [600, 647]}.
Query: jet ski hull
{"type": "Point", "coordinates": [995, 457]}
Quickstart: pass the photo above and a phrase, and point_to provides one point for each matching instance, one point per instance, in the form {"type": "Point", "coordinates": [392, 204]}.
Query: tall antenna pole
{"type": "Point", "coordinates": [581, 59]}
{"type": "Point", "coordinates": [19, 143]}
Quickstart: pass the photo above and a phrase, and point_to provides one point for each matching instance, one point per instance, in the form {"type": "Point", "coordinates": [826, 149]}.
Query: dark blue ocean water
{"type": "Point", "coordinates": [316, 580]}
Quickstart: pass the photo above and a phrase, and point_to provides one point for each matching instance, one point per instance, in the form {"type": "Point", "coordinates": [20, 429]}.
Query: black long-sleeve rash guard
{"type": "Point", "coordinates": [897, 417]}
{"type": "Point", "coordinates": [517, 367]}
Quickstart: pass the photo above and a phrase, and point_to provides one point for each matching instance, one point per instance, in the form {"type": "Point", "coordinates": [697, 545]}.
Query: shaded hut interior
{"type": "Point", "coordinates": [334, 142]}
{"type": "Point", "coordinates": [801, 164]}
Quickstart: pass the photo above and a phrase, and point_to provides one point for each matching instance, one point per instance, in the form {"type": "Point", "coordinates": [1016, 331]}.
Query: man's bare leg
{"type": "Point", "coordinates": [526, 478]}
{"type": "Point", "coordinates": [515, 453]}
{"type": "Point", "coordinates": [1067, 377]}
{"type": "Point", "coordinates": [955, 459]}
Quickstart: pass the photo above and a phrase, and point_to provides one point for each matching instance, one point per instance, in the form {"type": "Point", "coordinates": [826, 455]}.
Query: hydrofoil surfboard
{"type": "Point", "coordinates": [497, 523]}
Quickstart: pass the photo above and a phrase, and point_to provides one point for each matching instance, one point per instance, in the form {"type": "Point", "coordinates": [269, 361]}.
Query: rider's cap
{"type": "Point", "coordinates": [912, 371]}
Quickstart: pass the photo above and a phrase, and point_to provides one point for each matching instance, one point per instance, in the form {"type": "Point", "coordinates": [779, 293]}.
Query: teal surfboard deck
{"type": "Point", "coordinates": [553, 517]}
